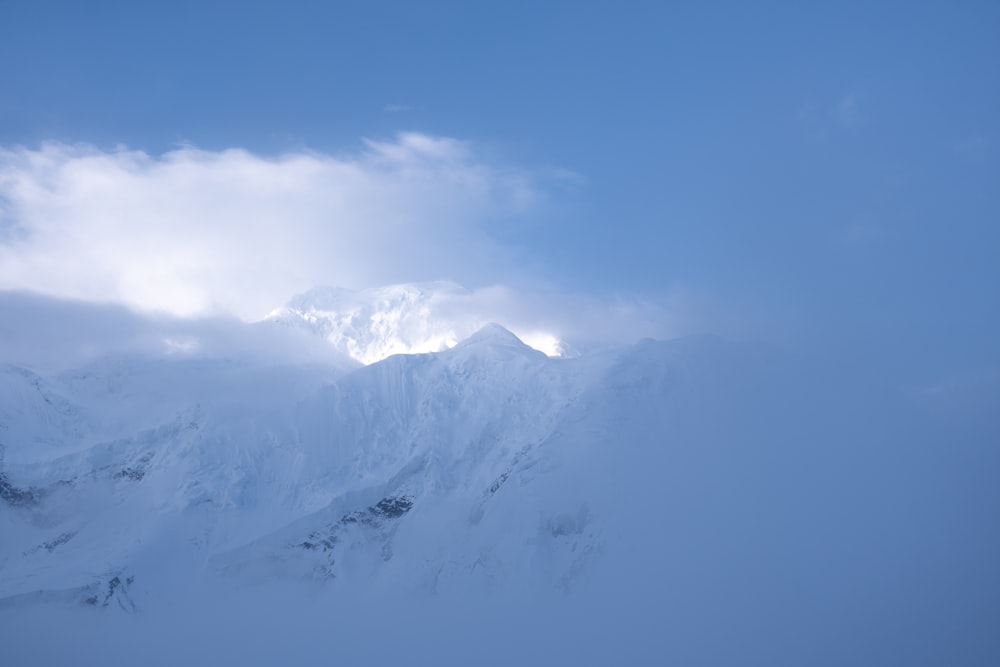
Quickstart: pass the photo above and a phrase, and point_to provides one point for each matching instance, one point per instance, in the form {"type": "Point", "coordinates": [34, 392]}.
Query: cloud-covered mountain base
{"type": "Point", "coordinates": [694, 501]}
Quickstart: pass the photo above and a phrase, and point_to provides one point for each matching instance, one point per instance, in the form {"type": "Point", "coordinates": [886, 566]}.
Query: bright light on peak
{"type": "Point", "coordinates": [544, 342]}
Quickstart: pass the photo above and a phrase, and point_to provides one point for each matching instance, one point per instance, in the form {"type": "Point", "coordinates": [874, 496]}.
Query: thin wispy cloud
{"type": "Point", "coordinates": [976, 147]}
{"type": "Point", "coordinates": [848, 110]}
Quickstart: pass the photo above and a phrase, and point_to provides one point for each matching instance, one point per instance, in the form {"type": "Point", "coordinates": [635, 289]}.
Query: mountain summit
{"type": "Point", "coordinates": [496, 335]}
{"type": "Point", "coordinates": [371, 324]}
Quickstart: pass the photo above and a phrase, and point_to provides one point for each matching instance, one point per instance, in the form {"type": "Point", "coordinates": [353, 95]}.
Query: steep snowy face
{"type": "Point", "coordinates": [283, 471]}
{"type": "Point", "coordinates": [372, 324]}
{"type": "Point", "coordinates": [472, 467]}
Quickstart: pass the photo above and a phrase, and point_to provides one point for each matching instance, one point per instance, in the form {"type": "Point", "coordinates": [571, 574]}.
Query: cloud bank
{"type": "Point", "coordinates": [229, 233]}
{"type": "Point", "coordinates": [195, 232]}
{"type": "Point", "coordinates": [51, 335]}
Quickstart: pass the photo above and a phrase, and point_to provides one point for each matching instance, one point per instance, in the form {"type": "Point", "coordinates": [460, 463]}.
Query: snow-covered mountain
{"type": "Point", "coordinates": [287, 470]}
{"type": "Point", "coordinates": [371, 324]}
{"type": "Point", "coordinates": [690, 501]}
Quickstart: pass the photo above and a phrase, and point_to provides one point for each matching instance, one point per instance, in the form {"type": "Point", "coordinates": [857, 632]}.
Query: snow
{"type": "Point", "coordinates": [372, 324]}
{"type": "Point", "coordinates": [695, 501]}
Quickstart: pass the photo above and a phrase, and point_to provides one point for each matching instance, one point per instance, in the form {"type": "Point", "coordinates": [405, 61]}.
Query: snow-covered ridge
{"type": "Point", "coordinates": [695, 486]}
{"type": "Point", "coordinates": [372, 324]}
{"type": "Point", "coordinates": [278, 471]}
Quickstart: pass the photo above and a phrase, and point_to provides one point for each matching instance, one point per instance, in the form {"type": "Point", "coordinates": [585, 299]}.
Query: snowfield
{"type": "Point", "coordinates": [697, 500]}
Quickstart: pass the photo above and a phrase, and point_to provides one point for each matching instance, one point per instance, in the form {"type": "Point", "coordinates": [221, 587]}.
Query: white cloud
{"type": "Point", "coordinates": [196, 231]}
{"type": "Point", "coordinates": [203, 233]}
{"type": "Point", "coordinates": [372, 324]}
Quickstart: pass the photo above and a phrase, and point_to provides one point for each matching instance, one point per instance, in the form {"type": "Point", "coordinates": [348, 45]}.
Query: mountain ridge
{"type": "Point", "coordinates": [661, 494]}
{"type": "Point", "coordinates": [371, 324]}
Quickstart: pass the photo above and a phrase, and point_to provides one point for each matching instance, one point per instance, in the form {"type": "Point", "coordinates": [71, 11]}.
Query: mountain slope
{"type": "Point", "coordinates": [633, 504]}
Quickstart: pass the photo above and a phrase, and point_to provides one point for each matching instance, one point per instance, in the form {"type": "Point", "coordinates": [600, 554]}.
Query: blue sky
{"type": "Point", "coordinates": [824, 172]}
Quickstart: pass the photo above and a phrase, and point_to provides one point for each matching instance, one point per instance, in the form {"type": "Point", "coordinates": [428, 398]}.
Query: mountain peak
{"type": "Point", "coordinates": [493, 334]}
{"type": "Point", "coordinates": [371, 324]}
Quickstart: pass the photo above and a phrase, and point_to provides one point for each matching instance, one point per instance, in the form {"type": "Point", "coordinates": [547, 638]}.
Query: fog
{"type": "Point", "coordinates": [756, 505]}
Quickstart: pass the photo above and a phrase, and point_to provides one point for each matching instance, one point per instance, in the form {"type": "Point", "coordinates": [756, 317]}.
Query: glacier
{"type": "Point", "coordinates": [253, 496]}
